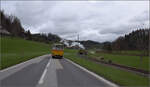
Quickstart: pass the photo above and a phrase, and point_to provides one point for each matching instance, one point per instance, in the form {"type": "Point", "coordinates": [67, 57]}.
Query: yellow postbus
{"type": "Point", "coordinates": [57, 51]}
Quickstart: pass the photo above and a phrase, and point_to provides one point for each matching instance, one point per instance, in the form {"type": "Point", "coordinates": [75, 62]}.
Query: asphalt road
{"type": "Point", "coordinates": [47, 72]}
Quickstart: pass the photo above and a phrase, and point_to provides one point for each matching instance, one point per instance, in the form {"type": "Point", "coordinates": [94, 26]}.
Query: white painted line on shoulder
{"type": "Point", "coordinates": [44, 73]}
{"type": "Point", "coordinates": [95, 75]}
{"type": "Point", "coordinates": [12, 67]}
{"type": "Point", "coordinates": [17, 65]}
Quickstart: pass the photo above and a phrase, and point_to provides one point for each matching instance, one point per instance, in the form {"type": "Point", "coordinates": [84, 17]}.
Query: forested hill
{"type": "Point", "coordinates": [136, 40]}
{"type": "Point", "coordinates": [91, 44]}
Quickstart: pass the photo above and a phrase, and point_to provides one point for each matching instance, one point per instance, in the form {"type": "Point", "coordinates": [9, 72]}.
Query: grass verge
{"type": "Point", "coordinates": [132, 61]}
{"type": "Point", "coordinates": [17, 50]}
{"type": "Point", "coordinates": [120, 77]}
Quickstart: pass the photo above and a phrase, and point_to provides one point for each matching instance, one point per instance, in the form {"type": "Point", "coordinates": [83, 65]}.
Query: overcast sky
{"type": "Point", "coordinates": [92, 20]}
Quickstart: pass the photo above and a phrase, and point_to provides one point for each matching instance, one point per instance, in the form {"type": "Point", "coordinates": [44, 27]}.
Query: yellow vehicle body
{"type": "Point", "coordinates": [57, 51]}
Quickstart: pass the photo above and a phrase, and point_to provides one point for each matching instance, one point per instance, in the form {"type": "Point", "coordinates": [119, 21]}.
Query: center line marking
{"type": "Point", "coordinates": [48, 64]}
{"type": "Point", "coordinates": [44, 73]}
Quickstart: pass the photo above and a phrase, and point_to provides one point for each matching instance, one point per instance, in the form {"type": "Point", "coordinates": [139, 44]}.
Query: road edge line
{"type": "Point", "coordinates": [94, 74]}
{"type": "Point", "coordinates": [17, 65]}
{"type": "Point", "coordinates": [44, 73]}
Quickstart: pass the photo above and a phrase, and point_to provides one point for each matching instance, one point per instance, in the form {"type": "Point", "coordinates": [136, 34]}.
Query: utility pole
{"type": "Point", "coordinates": [78, 37]}
{"type": "Point", "coordinates": [78, 40]}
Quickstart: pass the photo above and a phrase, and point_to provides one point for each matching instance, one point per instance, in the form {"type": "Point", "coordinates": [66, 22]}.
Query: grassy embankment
{"type": "Point", "coordinates": [128, 60]}
{"type": "Point", "coordinates": [120, 77]}
{"type": "Point", "coordinates": [17, 50]}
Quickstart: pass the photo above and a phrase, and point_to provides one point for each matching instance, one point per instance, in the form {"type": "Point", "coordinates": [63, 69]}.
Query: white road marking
{"type": "Point", "coordinates": [44, 73]}
{"type": "Point", "coordinates": [95, 75]}
{"type": "Point", "coordinates": [48, 64]}
{"type": "Point", "coordinates": [12, 67]}
{"type": "Point", "coordinates": [42, 78]}
{"type": "Point", "coordinates": [50, 79]}
{"type": "Point", "coordinates": [17, 65]}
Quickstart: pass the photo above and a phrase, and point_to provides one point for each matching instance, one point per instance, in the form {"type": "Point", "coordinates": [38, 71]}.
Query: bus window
{"type": "Point", "coordinates": [57, 47]}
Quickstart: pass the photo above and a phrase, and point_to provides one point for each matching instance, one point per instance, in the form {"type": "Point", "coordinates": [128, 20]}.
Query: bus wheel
{"type": "Point", "coordinates": [53, 56]}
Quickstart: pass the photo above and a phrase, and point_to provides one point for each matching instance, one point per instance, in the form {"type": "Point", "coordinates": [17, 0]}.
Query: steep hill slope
{"type": "Point", "coordinates": [16, 50]}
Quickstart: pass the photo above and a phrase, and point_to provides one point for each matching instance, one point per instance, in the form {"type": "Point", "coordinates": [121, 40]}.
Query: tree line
{"type": "Point", "coordinates": [13, 25]}
{"type": "Point", "coordinates": [89, 44]}
{"type": "Point", "coordinates": [136, 40]}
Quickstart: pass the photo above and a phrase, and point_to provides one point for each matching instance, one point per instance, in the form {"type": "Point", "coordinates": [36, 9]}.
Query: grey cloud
{"type": "Point", "coordinates": [144, 16]}
{"type": "Point", "coordinates": [120, 29]}
{"type": "Point", "coordinates": [32, 13]}
{"type": "Point", "coordinates": [98, 21]}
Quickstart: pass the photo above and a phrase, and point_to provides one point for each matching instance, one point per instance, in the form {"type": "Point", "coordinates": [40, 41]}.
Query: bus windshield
{"type": "Point", "coordinates": [58, 47]}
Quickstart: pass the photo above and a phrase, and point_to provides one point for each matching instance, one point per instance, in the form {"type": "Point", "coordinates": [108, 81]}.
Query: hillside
{"type": "Point", "coordinates": [91, 44]}
{"type": "Point", "coordinates": [16, 50]}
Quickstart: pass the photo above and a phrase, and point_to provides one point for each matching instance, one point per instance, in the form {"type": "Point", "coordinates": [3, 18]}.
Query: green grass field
{"type": "Point", "coordinates": [120, 77]}
{"type": "Point", "coordinates": [132, 52]}
{"type": "Point", "coordinates": [123, 52]}
{"type": "Point", "coordinates": [16, 50]}
{"type": "Point", "coordinates": [133, 61]}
